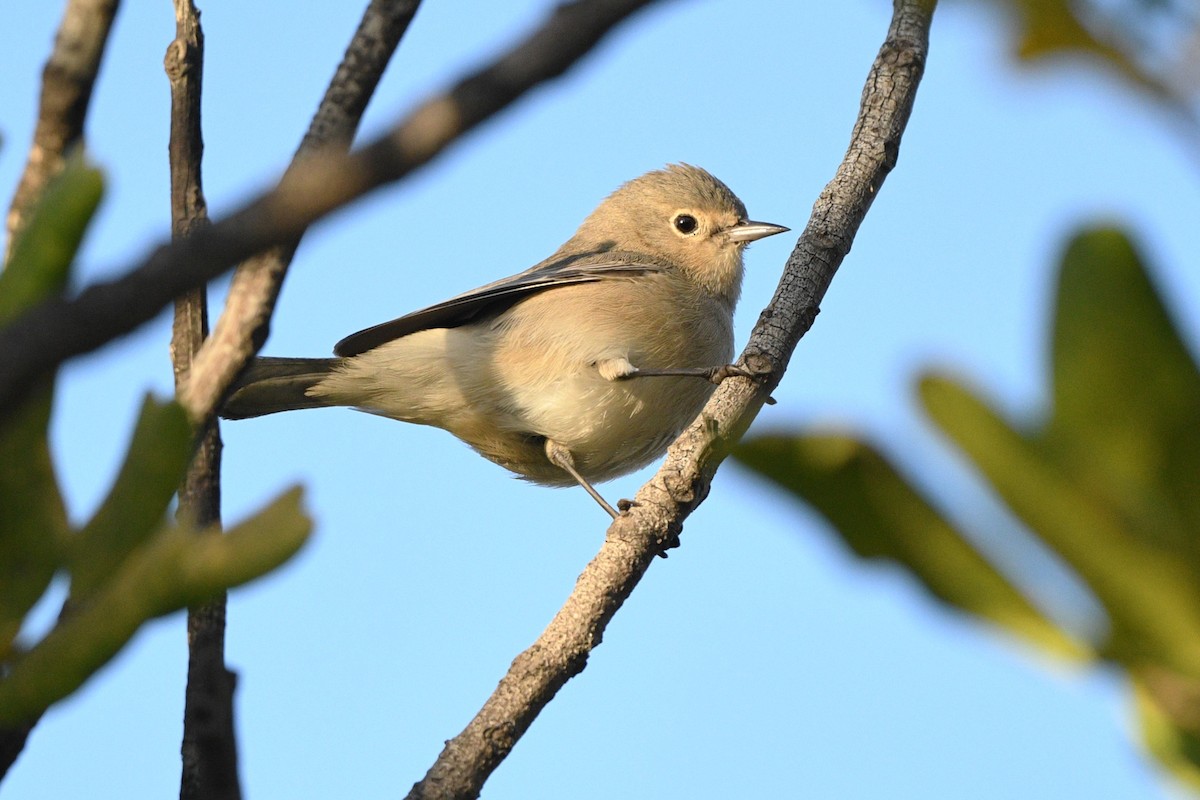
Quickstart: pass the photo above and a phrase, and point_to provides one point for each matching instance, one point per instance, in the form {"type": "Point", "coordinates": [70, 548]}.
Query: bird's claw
{"type": "Point", "coordinates": [718, 375]}
{"type": "Point", "coordinates": [670, 542]}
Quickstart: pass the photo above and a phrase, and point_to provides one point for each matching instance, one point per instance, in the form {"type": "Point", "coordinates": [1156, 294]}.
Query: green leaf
{"type": "Point", "coordinates": [880, 515]}
{"type": "Point", "coordinates": [1126, 416]}
{"type": "Point", "coordinates": [1170, 718]}
{"type": "Point", "coordinates": [1149, 595]}
{"type": "Point", "coordinates": [1050, 28]}
{"type": "Point", "coordinates": [33, 522]}
{"type": "Point", "coordinates": [137, 502]}
{"type": "Point", "coordinates": [43, 251]}
{"type": "Point", "coordinates": [174, 569]}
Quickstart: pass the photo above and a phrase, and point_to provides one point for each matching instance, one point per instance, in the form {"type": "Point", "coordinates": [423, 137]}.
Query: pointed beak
{"type": "Point", "coordinates": [750, 231]}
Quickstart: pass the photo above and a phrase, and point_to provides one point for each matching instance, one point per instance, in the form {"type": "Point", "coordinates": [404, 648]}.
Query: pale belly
{"type": "Point", "coordinates": [611, 427]}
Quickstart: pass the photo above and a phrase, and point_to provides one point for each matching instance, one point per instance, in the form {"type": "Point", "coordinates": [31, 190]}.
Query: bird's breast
{"type": "Point", "coordinates": [550, 346]}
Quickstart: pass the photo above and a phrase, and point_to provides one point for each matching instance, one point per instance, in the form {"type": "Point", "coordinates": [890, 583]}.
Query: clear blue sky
{"type": "Point", "coordinates": [760, 660]}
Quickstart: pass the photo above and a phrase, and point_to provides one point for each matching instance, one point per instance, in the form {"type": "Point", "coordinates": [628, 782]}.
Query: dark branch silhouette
{"type": "Point", "coordinates": [209, 746]}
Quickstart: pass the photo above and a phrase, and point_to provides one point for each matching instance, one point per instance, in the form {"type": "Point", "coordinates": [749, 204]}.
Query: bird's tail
{"type": "Point", "coordinates": [269, 385]}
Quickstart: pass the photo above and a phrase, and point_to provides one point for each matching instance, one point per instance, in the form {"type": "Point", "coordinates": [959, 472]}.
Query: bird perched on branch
{"type": "Point", "coordinates": [582, 368]}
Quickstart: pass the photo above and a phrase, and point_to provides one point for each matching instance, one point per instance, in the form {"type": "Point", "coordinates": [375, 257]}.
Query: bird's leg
{"type": "Point", "coordinates": [561, 457]}
{"type": "Point", "coordinates": [619, 369]}
{"type": "Point", "coordinates": [713, 374]}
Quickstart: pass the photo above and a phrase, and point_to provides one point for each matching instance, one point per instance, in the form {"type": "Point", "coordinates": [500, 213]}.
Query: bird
{"type": "Point", "coordinates": [580, 369]}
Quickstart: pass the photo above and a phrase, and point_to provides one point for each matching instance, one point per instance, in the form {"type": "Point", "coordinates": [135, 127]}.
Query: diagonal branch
{"type": "Point", "coordinates": [242, 328]}
{"type": "Point", "coordinates": [67, 81]}
{"type": "Point", "coordinates": [57, 330]}
{"type": "Point", "coordinates": [653, 524]}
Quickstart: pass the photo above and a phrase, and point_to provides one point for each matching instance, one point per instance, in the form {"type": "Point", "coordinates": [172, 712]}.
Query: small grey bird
{"type": "Point", "coordinates": [582, 368]}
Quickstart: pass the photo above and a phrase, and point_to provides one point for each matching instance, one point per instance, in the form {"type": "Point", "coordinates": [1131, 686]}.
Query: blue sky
{"type": "Point", "coordinates": [760, 659]}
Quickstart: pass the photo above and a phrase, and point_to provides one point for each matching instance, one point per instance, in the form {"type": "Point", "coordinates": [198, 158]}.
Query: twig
{"type": "Point", "coordinates": [242, 328]}
{"type": "Point", "coordinates": [654, 522]}
{"type": "Point", "coordinates": [59, 329]}
{"type": "Point", "coordinates": [209, 749]}
{"type": "Point", "coordinates": [67, 81]}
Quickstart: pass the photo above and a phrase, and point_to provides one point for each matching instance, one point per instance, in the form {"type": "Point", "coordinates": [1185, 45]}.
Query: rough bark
{"type": "Point", "coordinates": [67, 81]}
{"type": "Point", "coordinates": [209, 747]}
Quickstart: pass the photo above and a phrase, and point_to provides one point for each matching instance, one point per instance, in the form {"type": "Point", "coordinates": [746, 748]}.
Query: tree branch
{"type": "Point", "coordinates": [243, 327]}
{"type": "Point", "coordinates": [209, 748]}
{"type": "Point", "coordinates": [654, 522]}
{"type": "Point", "coordinates": [67, 81]}
{"type": "Point", "coordinates": [59, 329]}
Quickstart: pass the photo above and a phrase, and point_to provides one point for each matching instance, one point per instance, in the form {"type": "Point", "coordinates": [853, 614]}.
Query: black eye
{"type": "Point", "coordinates": [685, 223]}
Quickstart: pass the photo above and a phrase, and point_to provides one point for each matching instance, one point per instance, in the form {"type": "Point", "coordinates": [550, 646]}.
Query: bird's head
{"type": "Point", "coordinates": [684, 216]}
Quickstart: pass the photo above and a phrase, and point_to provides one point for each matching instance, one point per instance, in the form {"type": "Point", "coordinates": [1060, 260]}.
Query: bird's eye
{"type": "Point", "coordinates": [685, 223]}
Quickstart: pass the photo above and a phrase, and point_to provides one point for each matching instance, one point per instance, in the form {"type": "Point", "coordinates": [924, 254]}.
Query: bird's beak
{"type": "Point", "coordinates": [750, 231]}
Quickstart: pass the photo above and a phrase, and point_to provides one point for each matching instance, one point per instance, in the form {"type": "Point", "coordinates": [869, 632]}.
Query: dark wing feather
{"type": "Point", "coordinates": [497, 296]}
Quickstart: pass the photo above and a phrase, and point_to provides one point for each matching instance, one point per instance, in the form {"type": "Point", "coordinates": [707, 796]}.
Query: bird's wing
{"type": "Point", "coordinates": [496, 296]}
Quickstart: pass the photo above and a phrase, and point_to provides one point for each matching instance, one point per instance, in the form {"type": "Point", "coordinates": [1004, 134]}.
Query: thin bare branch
{"type": "Point", "coordinates": [209, 748]}
{"type": "Point", "coordinates": [67, 81]}
{"type": "Point", "coordinates": [243, 326]}
{"type": "Point", "coordinates": [654, 522]}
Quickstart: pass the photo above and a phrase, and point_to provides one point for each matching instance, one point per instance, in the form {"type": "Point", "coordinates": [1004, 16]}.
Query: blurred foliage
{"type": "Point", "coordinates": [1152, 44]}
{"type": "Point", "coordinates": [130, 562]}
{"type": "Point", "coordinates": [1108, 480]}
